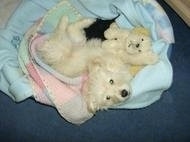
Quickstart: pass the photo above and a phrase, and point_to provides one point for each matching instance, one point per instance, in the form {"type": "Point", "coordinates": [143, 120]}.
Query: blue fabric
{"type": "Point", "coordinates": [13, 82]}
{"type": "Point", "coordinates": [168, 120]}
{"type": "Point", "coordinates": [129, 13]}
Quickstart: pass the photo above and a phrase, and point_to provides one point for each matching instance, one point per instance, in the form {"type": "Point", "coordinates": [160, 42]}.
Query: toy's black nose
{"type": "Point", "coordinates": [137, 45]}
{"type": "Point", "coordinates": [124, 93]}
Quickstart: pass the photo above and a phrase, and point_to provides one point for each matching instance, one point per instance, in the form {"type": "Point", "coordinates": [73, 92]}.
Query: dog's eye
{"type": "Point", "coordinates": [142, 39]}
{"type": "Point", "coordinates": [111, 81]}
{"type": "Point", "coordinates": [108, 97]}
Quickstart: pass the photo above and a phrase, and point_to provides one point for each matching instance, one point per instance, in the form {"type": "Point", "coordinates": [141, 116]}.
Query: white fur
{"type": "Point", "coordinates": [68, 52]}
{"type": "Point", "coordinates": [103, 72]}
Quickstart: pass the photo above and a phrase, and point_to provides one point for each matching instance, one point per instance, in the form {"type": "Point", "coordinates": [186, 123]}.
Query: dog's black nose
{"type": "Point", "coordinates": [124, 93]}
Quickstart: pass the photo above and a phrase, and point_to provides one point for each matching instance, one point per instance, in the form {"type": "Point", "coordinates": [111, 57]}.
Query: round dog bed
{"type": "Point", "coordinates": [23, 75]}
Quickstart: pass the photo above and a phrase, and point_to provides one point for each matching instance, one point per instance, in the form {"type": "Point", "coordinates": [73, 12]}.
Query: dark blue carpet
{"type": "Point", "coordinates": [167, 120]}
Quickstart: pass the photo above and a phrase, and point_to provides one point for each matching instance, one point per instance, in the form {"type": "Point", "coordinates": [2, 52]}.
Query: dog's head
{"type": "Point", "coordinates": [108, 84]}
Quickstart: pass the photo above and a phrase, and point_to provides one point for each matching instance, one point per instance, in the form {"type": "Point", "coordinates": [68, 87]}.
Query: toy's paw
{"type": "Point", "coordinates": [151, 58]}
{"type": "Point", "coordinates": [113, 46]}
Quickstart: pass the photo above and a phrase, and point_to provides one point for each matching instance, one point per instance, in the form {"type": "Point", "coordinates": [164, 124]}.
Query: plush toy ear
{"type": "Point", "coordinates": [140, 30]}
{"type": "Point", "coordinates": [134, 69]}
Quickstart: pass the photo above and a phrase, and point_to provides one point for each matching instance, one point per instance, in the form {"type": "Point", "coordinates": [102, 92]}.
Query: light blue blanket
{"type": "Point", "coordinates": [12, 80]}
{"type": "Point", "coordinates": [147, 86]}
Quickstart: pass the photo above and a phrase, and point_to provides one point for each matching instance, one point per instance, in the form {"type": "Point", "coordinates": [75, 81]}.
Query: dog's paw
{"type": "Point", "coordinates": [51, 52]}
{"type": "Point", "coordinates": [63, 24]}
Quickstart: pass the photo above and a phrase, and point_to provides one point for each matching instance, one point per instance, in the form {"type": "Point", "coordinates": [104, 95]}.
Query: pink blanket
{"type": "Point", "coordinates": [50, 90]}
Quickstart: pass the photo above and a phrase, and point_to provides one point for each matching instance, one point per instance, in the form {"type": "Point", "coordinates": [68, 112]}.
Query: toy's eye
{"type": "Point", "coordinates": [108, 97]}
{"type": "Point", "coordinates": [142, 39]}
{"type": "Point", "coordinates": [111, 81]}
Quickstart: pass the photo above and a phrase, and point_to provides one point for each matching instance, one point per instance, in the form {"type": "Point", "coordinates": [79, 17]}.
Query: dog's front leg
{"type": "Point", "coordinates": [146, 58]}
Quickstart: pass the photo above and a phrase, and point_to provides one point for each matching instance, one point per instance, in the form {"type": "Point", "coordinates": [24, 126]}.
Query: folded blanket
{"type": "Point", "coordinates": [24, 75]}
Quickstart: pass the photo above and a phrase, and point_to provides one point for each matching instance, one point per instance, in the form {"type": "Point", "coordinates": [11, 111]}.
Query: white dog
{"type": "Point", "coordinates": [108, 84]}
{"type": "Point", "coordinates": [68, 52]}
{"type": "Point", "coordinates": [132, 46]}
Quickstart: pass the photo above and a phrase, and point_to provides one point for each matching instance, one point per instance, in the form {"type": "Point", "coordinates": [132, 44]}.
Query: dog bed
{"type": "Point", "coordinates": [23, 75]}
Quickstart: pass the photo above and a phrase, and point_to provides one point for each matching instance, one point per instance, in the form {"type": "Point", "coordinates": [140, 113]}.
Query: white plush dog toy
{"type": "Point", "coordinates": [68, 52]}
{"type": "Point", "coordinates": [132, 46]}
